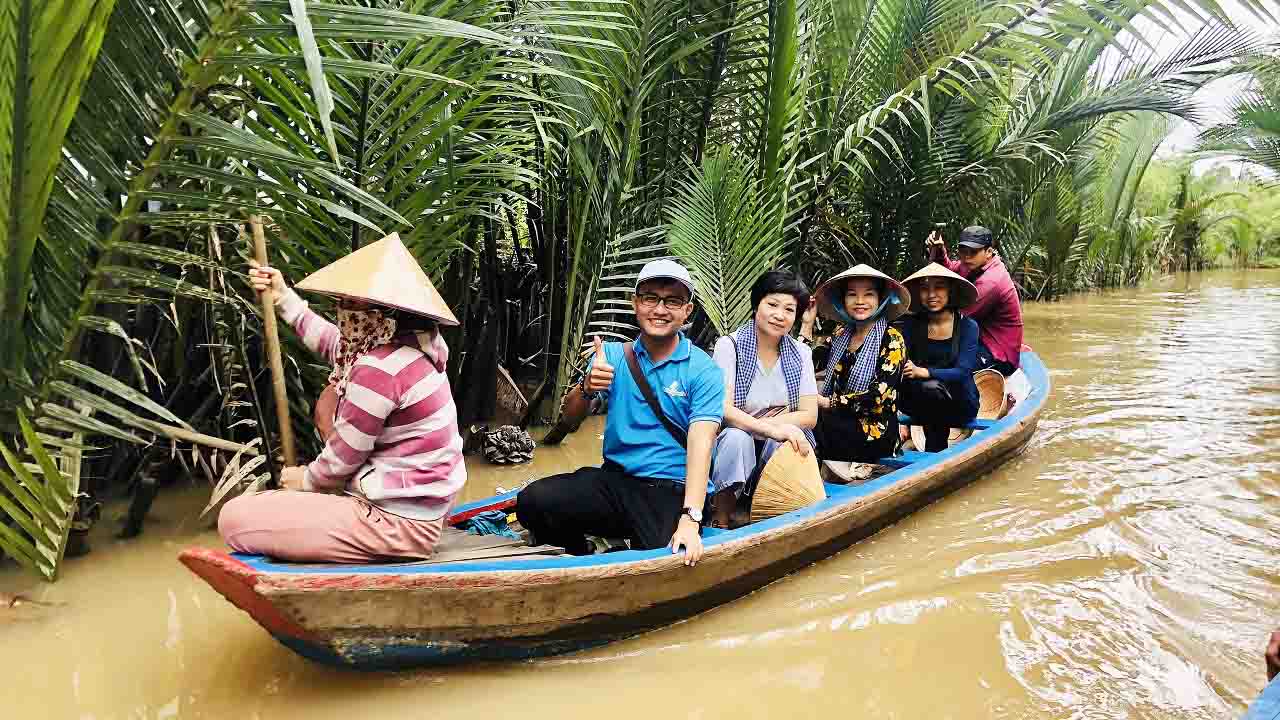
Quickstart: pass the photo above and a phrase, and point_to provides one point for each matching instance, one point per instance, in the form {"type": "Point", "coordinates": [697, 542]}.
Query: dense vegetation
{"type": "Point", "coordinates": [533, 153]}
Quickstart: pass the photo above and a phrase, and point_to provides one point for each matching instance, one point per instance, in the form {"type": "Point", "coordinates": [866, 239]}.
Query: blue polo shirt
{"type": "Point", "coordinates": [689, 387]}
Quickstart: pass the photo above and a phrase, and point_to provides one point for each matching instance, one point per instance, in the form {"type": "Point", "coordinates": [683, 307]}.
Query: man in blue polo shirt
{"type": "Point", "coordinates": [650, 489]}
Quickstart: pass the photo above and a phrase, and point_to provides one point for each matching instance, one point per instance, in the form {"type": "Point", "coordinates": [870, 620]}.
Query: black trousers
{"type": "Point", "coordinates": [606, 502]}
{"type": "Point", "coordinates": [931, 403]}
{"type": "Point", "coordinates": [840, 437]}
{"type": "Point", "coordinates": [987, 360]}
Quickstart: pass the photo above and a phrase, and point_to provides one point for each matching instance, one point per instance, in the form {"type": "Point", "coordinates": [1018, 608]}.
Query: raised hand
{"type": "Point", "coordinates": [934, 245]}
{"type": "Point", "coordinates": [810, 312]}
{"type": "Point", "coordinates": [265, 277]}
{"type": "Point", "coordinates": [600, 375]}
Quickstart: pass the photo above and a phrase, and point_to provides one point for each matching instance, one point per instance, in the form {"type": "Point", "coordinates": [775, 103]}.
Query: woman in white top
{"type": "Point", "coordinates": [771, 396]}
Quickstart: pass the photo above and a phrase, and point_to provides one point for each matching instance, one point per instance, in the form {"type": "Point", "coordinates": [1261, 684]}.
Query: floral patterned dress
{"type": "Point", "coordinates": [863, 427]}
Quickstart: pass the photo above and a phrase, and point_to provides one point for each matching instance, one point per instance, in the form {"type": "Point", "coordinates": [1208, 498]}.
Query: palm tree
{"type": "Point", "coordinates": [1253, 131]}
{"type": "Point", "coordinates": [1191, 216]}
{"type": "Point", "coordinates": [139, 133]}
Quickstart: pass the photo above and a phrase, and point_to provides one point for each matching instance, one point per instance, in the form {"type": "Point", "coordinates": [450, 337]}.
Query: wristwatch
{"type": "Point", "coordinates": [586, 395]}
{"type": "Point", "coordinates": [695, 514]}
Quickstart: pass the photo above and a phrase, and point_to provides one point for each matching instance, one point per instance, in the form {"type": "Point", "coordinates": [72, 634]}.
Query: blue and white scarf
{"type": "Point", "coordinates": [747, 359]}
{"type": "Point", "coordinates": [864, 367]}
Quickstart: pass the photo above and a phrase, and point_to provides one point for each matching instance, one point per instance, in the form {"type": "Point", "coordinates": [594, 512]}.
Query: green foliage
{"type": "Point", "coordinates": [161, 121]}
{"type": "Point", "coordinates": [725, 230]}
{"type": "Point", "coordinates": [815, 133]}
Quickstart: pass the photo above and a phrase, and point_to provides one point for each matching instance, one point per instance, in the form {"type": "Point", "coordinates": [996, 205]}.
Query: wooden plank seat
{"type": "Point", "coordinates": [458, 546]}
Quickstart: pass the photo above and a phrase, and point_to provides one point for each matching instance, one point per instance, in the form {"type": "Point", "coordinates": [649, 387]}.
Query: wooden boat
{"type": "Point", "coordinates": [406, 615]}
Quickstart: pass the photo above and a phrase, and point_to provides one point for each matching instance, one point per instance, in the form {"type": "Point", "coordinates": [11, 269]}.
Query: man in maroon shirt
{"type": "Point", "coordinates": [998, 311]}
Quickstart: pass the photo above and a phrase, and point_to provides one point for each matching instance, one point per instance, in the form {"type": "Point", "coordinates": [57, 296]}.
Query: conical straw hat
{"type": "Point", "coordinates": [963, 293]}
{"type": "Point", "coordinates": [991, 396]}
{"type": "Point", "coordinates": [788, 482]}
{"type": "Point", "coordinates": [383, 273]}
{"type": "Point", "coordinates": [827, 293]}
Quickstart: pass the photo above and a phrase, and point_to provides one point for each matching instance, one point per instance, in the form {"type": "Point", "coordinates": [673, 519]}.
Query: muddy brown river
{"type": "Point", "coordinates": [1125, 566]}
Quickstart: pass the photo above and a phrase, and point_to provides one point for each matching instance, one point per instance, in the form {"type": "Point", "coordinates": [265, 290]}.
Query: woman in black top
{"type": "Point", "coordinates": [942, 351]}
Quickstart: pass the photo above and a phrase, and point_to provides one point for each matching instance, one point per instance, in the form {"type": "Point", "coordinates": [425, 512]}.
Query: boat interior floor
{"type": "Point", "coordinates": [460, 546]}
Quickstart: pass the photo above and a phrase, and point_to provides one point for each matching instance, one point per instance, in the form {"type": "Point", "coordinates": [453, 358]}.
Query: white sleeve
{"type": "Point", "coordinates": [727, 360]}
{"type": "Point", "coordinates": [808, 381]}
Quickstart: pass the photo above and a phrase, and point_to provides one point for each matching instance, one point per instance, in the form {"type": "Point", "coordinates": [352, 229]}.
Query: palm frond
{"type": "Point", "coordinates": [726, 229]}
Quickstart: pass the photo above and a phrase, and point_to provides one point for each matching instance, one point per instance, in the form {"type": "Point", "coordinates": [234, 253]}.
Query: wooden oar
{"type": "Point", "coordinates": [273, 349]}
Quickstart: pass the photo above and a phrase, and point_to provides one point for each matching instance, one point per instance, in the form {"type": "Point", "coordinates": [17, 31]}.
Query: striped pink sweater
{"type": "Point", "coordinates": [395, 440]}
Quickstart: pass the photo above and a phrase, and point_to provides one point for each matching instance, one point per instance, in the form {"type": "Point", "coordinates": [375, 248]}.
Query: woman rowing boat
{"type": "Point", "coordinates": [392, 464]}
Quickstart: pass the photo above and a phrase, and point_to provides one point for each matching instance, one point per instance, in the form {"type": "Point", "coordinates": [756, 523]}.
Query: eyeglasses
{"type": "Point", "coordinates": [673, 302]}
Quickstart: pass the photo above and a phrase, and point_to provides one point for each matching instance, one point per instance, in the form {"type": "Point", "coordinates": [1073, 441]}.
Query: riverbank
{"type": "Point", "coordinates": [1122, 567]}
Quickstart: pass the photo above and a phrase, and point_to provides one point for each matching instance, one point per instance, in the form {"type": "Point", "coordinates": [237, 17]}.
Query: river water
{"type": "Point", "coordinates": [1125, 566]}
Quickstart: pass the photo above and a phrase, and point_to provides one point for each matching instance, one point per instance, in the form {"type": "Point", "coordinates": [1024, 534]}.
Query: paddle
{"type": "Point", "coordinates": [267, 299]}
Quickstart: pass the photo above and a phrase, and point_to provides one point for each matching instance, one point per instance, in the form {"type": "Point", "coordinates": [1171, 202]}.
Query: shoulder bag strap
{"type": "Point", "coordinates": [643, 383]}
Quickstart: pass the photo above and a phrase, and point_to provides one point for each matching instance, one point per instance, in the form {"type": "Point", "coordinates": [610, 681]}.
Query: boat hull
{"type": "Point", "coordinates": [391, 617]}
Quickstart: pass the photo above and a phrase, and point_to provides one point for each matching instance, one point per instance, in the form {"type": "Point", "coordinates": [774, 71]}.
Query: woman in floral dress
{"type": "Point", "coordinates": [858, 402]}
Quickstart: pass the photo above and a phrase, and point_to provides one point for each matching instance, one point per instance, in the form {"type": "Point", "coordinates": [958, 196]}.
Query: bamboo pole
{"type": "Point", "coordinates": [273, 349]}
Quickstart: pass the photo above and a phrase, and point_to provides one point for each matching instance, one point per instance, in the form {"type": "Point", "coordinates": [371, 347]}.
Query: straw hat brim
{"type": "Point", "coordinates": [992, 399]}
{"type": "Point", "coordinates": [787, 482]}
{"type": "Point", "coordinates": [382, 273]}
{"type": "Point", "coordinates": [963, 292]}
{"type": "Point", "coordinates": [828, 290]}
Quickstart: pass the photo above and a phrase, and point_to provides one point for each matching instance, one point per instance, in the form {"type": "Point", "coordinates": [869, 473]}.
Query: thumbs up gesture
{"type": "Point", "coordinates": [600, 374]}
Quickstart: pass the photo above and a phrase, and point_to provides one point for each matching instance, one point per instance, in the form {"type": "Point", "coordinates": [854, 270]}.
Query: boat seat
{"type": "Point", "coordinates": [458, 546]}
{"type": "Point", "coordinates": [977, 424]}
{"type": "Point", "coordinates": [906, 458]}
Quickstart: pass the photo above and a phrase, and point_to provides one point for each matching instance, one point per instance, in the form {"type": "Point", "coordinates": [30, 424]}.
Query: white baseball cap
{"type": "Point", "coordinates": [665, 268]}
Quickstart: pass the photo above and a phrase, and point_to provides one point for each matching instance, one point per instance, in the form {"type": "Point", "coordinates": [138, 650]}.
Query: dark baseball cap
{"type": "Point", "coordinates": [975, 236]}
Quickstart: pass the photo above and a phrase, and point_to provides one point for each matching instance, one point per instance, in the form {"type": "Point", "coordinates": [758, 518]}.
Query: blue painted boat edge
{"type": "Point", "coordinates": [484, 503]}
{"type": "Point", "coordinates": [1267, 705]}
{"type": "Point", "coordinates": [1035, 370]}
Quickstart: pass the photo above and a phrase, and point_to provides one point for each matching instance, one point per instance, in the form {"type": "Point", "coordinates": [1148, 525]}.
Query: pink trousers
{"type": "Point", "coordinates": [314, 527]}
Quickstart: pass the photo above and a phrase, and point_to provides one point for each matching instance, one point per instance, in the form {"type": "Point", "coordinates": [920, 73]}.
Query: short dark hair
{"type": "Point", "coordinates": [780, 281]}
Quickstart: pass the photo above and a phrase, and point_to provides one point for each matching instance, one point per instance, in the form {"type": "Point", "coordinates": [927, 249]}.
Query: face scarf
{"type": "Point", "coordinates": [361, 331]}
{"type": "Point", "coordinates": [864, 367]}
